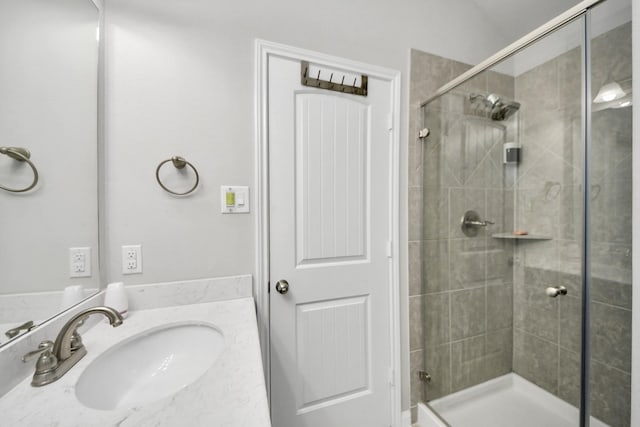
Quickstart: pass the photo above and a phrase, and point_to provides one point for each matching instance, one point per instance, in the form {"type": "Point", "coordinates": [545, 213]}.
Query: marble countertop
{"type": "Point", "coordinates": [231, 393]}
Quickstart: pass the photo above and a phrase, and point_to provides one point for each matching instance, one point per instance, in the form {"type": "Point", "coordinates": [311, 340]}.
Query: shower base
{"type": "Point", "coordinates": [506, 401]}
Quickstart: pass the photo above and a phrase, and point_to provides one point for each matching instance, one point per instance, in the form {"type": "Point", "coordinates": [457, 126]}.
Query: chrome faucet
{"type": "Point", "coordinates": [57, 358]}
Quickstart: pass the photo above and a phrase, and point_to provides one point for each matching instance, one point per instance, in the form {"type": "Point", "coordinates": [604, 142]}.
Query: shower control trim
{"type": "Point", "coordinates": [471, 223]}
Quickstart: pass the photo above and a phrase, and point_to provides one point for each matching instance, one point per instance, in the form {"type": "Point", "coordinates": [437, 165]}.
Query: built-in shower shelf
{"type": "Point", "coordinates": [520, 237]}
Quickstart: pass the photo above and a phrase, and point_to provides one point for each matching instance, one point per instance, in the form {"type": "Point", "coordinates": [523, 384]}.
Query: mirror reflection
{"type": "Point", "coordinates": [48, 159]}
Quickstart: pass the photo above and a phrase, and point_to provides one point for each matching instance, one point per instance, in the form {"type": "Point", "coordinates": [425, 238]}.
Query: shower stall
{"type": "Point", "coordinates": [520, 290]}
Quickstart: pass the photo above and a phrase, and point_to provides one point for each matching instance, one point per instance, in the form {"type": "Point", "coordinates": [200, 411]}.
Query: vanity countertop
{"type": "Point", "coordinates": [231, 393]}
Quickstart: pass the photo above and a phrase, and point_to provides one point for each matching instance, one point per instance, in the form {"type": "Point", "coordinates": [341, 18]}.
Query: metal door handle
{"type": "Point", "coordinates": [554, 291]}
{"type": "Point", "coordinates": [282, 286]}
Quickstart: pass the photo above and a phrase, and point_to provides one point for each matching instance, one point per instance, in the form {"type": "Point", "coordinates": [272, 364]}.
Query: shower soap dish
{"type": "Point", "coordinates": [520, 236]}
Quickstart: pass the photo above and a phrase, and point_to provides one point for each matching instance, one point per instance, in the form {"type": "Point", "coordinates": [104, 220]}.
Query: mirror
{"type": "Point", "coordinates": [48, 107]}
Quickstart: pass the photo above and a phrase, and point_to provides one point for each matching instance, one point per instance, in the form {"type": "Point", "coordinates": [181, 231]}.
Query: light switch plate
{"type": "Point", "coordinates": [234, 199]}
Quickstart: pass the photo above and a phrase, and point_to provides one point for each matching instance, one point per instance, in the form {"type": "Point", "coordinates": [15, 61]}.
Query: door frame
{"type": "Point", "coordinates": [263, 50]}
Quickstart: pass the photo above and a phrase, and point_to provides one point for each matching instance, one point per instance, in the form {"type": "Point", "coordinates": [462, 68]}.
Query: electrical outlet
{"type": "Point", "coordinates": [79, 262]}
{"type": "Point", "coordinates": [132, 259]}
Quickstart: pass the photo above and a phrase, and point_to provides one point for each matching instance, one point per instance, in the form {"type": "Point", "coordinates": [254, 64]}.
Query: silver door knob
{"type": "Point", "coordinates": [554, 291]}
{"type": "Point", "coordinates": [282, 286]}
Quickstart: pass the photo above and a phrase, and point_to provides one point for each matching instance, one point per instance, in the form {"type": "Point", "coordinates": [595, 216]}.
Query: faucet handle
{"type": "Point", "coordinates": [43, 347]}
{"type": "Point", "coordinates": [46, 364]}
{"type": "Point", "coordinates": [46, 361]}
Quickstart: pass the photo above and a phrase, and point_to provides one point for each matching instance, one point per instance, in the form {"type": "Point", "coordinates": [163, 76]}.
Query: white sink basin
{"type": "Point", "coordinates": [149, 366]}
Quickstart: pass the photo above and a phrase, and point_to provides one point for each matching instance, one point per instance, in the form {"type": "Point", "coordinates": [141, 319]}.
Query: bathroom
{"type": "Point", "coordinates": [190, 79]}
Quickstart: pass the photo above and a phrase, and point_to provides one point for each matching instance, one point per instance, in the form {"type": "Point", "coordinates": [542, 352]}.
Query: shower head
{"type": "Point", "coordinates": [493, 106]}
{"type": "Point", "coordinates": [504, 111]}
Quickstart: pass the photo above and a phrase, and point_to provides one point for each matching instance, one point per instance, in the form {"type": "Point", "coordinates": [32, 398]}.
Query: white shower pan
{"type": "Point", "coordinates": [502, 402]}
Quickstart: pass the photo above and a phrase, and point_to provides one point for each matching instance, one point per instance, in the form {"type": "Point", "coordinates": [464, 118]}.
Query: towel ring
{"type": "Point", "coordinates": [22, 155]}
{"type": "Point", "coordinates": [179, 163]}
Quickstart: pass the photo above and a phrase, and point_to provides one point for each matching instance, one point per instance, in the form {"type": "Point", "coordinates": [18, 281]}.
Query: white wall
{"type": "Point", "coordinates": [180, 81]}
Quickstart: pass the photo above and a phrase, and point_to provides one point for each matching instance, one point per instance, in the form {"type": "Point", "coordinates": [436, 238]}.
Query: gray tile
{"type": "Point", "coordinates": [436, 265]}
{"type": "Point", "coordinates": [414, 415]}
{"type": "Point", "coordinates": [499, 307]}
{"type": "Point", "coordinates": [534, 312]}
{"type": "Point", "coordinates": [416, 328]}
{"type": "Point", "coordinates": [570, 322]}
{"type": "Point", "coordinates": [535, 214]}
{"type": "Point", "coordinates": [415, 161]}
{"type": "Point", "coordinates": [534, 276]}
{"type": "Point", "coordinates": [611, 336]}
{"type": "Point", "coordinates": [415, 268]}
{"type": "Point", "coordinates": [467, 362]}
{"type": "Point", "coordinates": [536, 360]}
{"type": "Point", "coordinates": [436, 213]}
{"type": "Point", "coordinates": [570, 78]}
{"type": "Point", "coordinates": [479, 359]}
{"type": "Point", "coordinates": [468, 313]}
{"type": "Point", "coordinates": [501, 84]}
{"type": "Point", "coordinates": [415, 213]}
{"type": "Point", "coordinates": [570, 213]}
{"type": "Point", "coordinates": [569, 256]}
{"type": "Point", "coordinates": [467, 263]}
{"type": "Point", "coordinates": [499, 262]}
{"type": "Point", "coordinates": [499, 359]}
{"type": "Point", "coordinates": [569, 377]}
{"type": "Point", "coordinates": [610, 395]}
{"type": "Point", "coordinates": [438, 365]}
{"type": "Point", "coordinates": [537, 89]}
{"type": "Point", "coordinates": [428, 73]}
{"type": "Point", "coordinates": [540, 254]}
{"type": "Point", "coordinates": [416, 365]}
{"type": "Point", "coordinates": [611, 292]}
{"type": "Point", "coordinates": [436, 319]}
{"type": "Point", "coordinates": [571, 281]}
{"type": "Point", "coordinates": [499, 210]}
{"type": "Point", "coordinates": [611, 261]}
{"type": "Point", "coordinates": [476, 84]}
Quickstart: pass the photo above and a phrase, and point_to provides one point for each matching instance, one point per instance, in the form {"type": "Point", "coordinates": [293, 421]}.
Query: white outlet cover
{"type": "Point", "coordinates": [79, 262]}
{"type": "Point", "coordinates": [132, 259]}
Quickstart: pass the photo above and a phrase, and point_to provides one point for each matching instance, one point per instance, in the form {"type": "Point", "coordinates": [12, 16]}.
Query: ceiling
{"type": "Point", "coordinates": [513, 19]}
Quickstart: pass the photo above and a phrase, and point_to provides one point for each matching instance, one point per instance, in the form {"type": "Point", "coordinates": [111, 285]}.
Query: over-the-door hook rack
{"type": "Point", "coordinates": [330, 85]}
{"type": "Point", "coordinates": [178, 163]}
{"type": "Point", "coordinates": [22, 155]}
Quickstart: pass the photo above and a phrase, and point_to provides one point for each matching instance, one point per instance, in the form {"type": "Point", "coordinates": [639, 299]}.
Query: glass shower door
{"type": "Point", "coordinates": [502, 238]}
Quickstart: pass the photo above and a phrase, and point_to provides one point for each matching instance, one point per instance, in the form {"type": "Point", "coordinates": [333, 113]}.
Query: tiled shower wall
{"type": "Point", "coordinates": [547, 330]}
{"type": "Point", "coordinates": [461, 285]}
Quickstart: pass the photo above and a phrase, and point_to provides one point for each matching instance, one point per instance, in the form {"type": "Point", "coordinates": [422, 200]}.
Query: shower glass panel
{"type": "Point", "coordinates": [502, 238]}
{"type": "Point", "coordinates": [610, 221]}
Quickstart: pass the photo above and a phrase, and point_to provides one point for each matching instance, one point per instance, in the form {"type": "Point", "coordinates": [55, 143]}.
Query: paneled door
{"type": "Point", "coordinates": [330, 207]}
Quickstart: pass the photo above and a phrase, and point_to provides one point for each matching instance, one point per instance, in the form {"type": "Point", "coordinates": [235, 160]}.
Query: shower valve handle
{"type": "Point", "coordinates": [471, 222]}
{"type": "Point", "coordinates": [478, 223]}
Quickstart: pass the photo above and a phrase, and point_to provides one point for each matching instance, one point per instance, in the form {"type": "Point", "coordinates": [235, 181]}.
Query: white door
{"type": "Point", "coordinates": [330, 204]}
